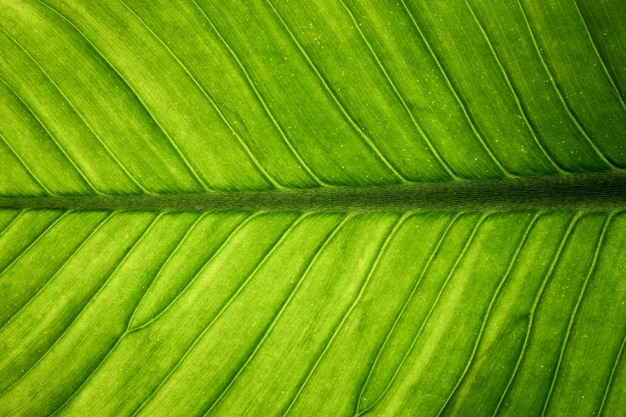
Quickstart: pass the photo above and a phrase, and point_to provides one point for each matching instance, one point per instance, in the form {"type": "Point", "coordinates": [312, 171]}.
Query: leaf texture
{"type": "Point", "coordinates": [333, 291]}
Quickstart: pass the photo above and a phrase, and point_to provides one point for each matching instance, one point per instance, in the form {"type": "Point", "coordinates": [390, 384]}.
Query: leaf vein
{"type": "Point", "coordinates": [599, 243]}
{"type": "Point", "coordinates": [432, 256]}
{"type": "Point", "coordinates": [80, 313]}
{"type": "Point", "coordinates": [79, 114]}
{"type": "Point", "coordinates": [461, 255]}
{"type": "Point", "coordinates": [55, 140]}
{"type": "Point", "coordinates": [262, 101]}
{"type": "Point", "coordinates": [183, 238]}
{"type": "Point", "coordinates": [12, 222]}
{"type": "Point", "coordinates": [505, 277]}
{"type": "Point", "coordinates": [611, 378]}
{"type": "Point", "coordinates": [557, 89]}
{"type": "Point", "coordinates": [602, 60]}
{"type": "Point", "coordinates": [171, 141]}
{"type": "Point", "coordinates": [223, 308]}
{"type": "Point", "coordinates": [212, 102]}
{"type": "Point", "coordinates": [431, 147]}
{"type": "Point", "coordinates": [368, 141]}
{"type": "Point", "coordinates": [538, 297]}
{"type": "Point", "coordinates": [454, 90]}
{"type": "Point", "coordinates": [58, 271]}
{"type": "Point", "coordinates": [516, 96]}
{"type": "Point", "coordinates": [34, 242]}
{"type": "Point", "coordinates": [351, 308]}
{"type": "Point", "coordinates": [197, 274]}
{"type": "Point", "coordinates": [26, 167]}
{"type": "Point", "coordinates": [283, 307]}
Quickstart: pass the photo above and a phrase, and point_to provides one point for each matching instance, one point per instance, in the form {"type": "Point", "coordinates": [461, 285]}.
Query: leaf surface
{"type": "Point", "coordinates": [326, 208]}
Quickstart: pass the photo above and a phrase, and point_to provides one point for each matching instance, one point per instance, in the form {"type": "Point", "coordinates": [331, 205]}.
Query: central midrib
{"type": "Point", "coordinates": [602, 191]}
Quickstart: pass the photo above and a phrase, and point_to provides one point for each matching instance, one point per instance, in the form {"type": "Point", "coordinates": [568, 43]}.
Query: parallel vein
{"type": "Point", "coordinates": [84, 308]}
{"type": "Point", "coordinates": [431, 147]}
{"type": "Point", "coordinates": [212, 101]}
{"type": "Point", "coordinates": [171, 141]}
{"type": "Point", "coordinates": [55, 140]}
{"type": "Point", "coordinates": [433, 305]}
{"type": "Point", "coordinates": [516, 96]}
{"type": "Point", "coordinates": [533, 309]}
{"type": "Point", "coordinates": [334, 97]}
{"type": "Point", "coordinates": [492, 302]}
{"type": "Point", "coordinates": [348, 312]}
{"type": "Point", "coordinates": [102, 142]}
{"type": "Point", "coordinates": [358, 409]}
{"type": "Point", "coordinates": [222, 309]}
{"type": "Point", "coordinates": [261, 100]}
{"type": "Point", "coordinates": [456, 94]}
{"type": "Point", "coordinates": [26, 167]}
{"type": "Point", "coordinates": [68, 259]}
{"type": "Point", "coordinates": [605, 69]}
{"type": "Point", "coordinates": [598, 247]}
{"type": "Point", "coordinates": [280, 312]}
{"type": "Point", "coordinates": [558, 91]}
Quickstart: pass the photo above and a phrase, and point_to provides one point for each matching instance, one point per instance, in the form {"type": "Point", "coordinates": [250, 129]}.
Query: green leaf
{"type": "Point", "coordinates": [337, 207]}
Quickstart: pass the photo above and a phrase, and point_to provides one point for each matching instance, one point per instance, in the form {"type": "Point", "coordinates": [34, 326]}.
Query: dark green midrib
{"type": "Point", "coordinates": [603, 191]}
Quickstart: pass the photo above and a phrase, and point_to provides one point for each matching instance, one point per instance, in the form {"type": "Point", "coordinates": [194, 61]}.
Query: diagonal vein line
{"type": "Point", "coordinates": [84, 308]}
{"type": "Point", "coordinates": [79, 114]}
{"type": "Point", "coordinates": [557, 89]}
{"type": "Point", "coordinates": [538, 298]}
{"type": "Point", "coordinates": [92, 372]}
{"type": "Point", "coordinates": [119, 76]}
{"type": "Point", "coordinates": [55, 140]}
{"type": "Point", "coordinates": [481, 139]}
{"type": "Point", "coordinates": [516, 96]}
{"type": "Point", "coordinates": [119, 339]}
{"type": "Point", "coordinates": [504, 279]}
{"type": "Point", "coordinates": [60, 269]}
{"type": "Point", "coordinates": [174, 251]}
{"type": "Point", "coordinates": [467, 244]}
{"type": "Point", "coordinates": [599, 242]}
{"type": "Point", "coordinates": [431, 147]}
{"type": "Point", "coordinates": [368, 141]}
{"type": "Point", "coordinates": [181, 292]}
{"type": "Point", "coordinates": [26, 167]}
{"type": "Point", "coordinates": [223, 308]}
{"type": "Point", "coordinates": [261, 100]}
{"type": "Point", "coordinates": [347, 314]}
{"type": "Point", "coordinates": [425, 269]}
{"type": "Point", "coordinates": [213, 103]}
{"type": "Point", "coordinates": [34, 242]}
{"type": "Point", "coordinates": [605, 69]}
{"type": "Point", "coordinates": [611, 378]}
{"type": "Point", "coordinates": [283, 307]}
{"type": "Point", "coordinates": [12, 222]}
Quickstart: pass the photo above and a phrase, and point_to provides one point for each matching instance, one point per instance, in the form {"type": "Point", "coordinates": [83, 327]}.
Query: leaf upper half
{"type": "Point", "coordinates": [137, 98]}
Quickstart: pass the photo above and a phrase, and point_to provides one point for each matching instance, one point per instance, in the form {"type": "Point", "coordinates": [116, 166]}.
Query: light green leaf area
{"type": "Point", "coordinates": [312, 208]}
